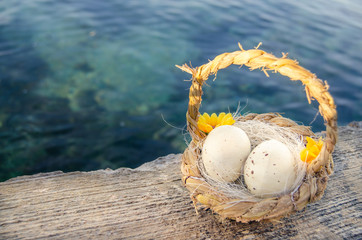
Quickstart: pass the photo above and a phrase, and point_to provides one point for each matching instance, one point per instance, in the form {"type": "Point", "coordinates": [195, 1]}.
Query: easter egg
{"type": "Point", "coordinates": [270, 169]}
{"type": "Point", "coordinates": [224, 153]}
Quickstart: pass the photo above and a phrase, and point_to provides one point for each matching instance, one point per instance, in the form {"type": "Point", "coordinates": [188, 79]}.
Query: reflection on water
{"type": "Point", "coordinates": [84, 84]}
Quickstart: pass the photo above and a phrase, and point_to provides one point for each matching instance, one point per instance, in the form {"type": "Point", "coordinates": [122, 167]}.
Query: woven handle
{"type": "Point", "coordinates": [256, 58]}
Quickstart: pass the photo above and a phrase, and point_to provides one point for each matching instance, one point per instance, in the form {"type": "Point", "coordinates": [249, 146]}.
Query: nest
{"type": "Point", "coordinates": [238, 205]}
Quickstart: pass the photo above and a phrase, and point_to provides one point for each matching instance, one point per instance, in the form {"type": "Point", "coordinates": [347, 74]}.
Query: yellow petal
{"type": "Point", "coordinates": [312, 154]}
{"type": "Point", "coordinates": [206, 128]}
{"type": "Point", "coordinates": [222, 122]}
{"type": "Point", "coordinates": [200, 125]}
{"type": "Point", "coordinates": [206, 122]}
{"type": "Point", "coordinates": [315, 150]}
{"type": "Point", "coordinates": [310, 142]}
{"type": "Point", "coordinates": [303, 155]}
{"type": "Point", "coordinates": [229, 121]}
{"type": "Point", "coordinates": [201, 119]}
{"type": "Point", "coordinates": [220, 117]}
{"type": "Point", "coordinates": [312, 150]}
{"type": "Point", "coordinates": [207, 117]}
{"type": "Point", "coordinates": [307, 156]}
{"type": "Point", "coordinates": [229, 115]}
{"type": "Point", "coordinates": [213, 120]}
{"type": "Point", "coordinates": [232, 121]}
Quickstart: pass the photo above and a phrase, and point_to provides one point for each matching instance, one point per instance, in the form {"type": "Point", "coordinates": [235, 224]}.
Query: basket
{"type": "Point", "coordinates": [315, 180]}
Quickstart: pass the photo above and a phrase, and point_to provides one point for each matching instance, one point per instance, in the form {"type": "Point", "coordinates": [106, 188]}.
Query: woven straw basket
{"type": "Point", "coordinates": [315, 180]}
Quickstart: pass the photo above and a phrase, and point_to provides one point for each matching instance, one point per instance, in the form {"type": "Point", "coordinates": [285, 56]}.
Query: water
{"type": "Point", "coordinates": [86, 84]}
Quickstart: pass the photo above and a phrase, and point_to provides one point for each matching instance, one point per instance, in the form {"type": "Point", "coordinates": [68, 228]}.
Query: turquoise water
{"type": "Point", "coordinates": [90, 84]}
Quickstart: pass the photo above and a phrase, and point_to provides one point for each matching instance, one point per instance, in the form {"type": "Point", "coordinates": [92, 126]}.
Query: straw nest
{"type": "Point", "coordinates": [313, 184]}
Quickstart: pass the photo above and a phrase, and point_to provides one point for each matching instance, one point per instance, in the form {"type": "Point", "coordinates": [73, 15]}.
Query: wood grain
{"type": "Point", "coordinates": [150, 202]}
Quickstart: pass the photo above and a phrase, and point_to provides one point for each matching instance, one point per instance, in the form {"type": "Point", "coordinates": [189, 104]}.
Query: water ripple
{"type": "Point", "coordinates": [84, 83]}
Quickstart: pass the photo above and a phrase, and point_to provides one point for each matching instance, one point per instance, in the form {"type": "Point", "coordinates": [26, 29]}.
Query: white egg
{"type": "Point", "coordinates": [224, 153]}
{"type": "Point", "coordinates": [270, 169]}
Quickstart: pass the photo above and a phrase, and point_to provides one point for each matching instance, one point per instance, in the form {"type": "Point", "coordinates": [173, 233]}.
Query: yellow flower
{"type": "Point", "coordinates": [311, 151]}
{"type": "Point", "coordinates": [207, 123]}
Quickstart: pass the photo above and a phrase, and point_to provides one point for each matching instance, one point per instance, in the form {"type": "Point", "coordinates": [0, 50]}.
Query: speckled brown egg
{"type": "Point", "coordinates": [270, 169]}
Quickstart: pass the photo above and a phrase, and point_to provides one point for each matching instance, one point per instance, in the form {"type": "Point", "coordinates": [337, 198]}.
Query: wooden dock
{"type": "Point", "coordinates": [150, 203]}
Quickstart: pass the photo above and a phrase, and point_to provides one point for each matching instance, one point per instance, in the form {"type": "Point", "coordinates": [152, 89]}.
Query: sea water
{"type": "Point", "coordinates": [92, 84]}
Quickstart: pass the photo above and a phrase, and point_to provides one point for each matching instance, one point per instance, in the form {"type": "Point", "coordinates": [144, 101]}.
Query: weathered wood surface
{"type": "Point", "coordinates": [150, 203]}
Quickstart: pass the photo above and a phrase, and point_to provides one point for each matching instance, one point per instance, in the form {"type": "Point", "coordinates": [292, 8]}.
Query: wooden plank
{"type": "Point", "coordinates": [150, 202]}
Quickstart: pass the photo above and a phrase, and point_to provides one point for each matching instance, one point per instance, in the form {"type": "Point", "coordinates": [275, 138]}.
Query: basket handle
{"type": "Point", "coordinates": [256, 58]}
